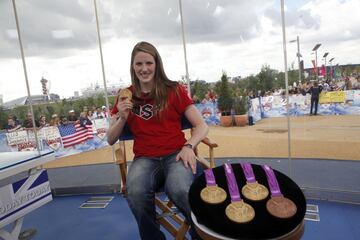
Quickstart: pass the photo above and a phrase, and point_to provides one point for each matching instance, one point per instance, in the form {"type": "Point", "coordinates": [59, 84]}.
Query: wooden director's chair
{"type": "Point", "coordinates": [167, 213]}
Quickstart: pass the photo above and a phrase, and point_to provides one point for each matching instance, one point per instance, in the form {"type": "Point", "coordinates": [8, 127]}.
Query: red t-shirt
{"type": "Point", "coordinates": [156, 136]}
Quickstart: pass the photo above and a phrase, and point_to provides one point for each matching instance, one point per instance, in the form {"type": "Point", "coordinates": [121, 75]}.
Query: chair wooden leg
{"type": "Point", "coordinates": [120, 154]}
{"type": "Point", "coordinates": [123, 171]}
{"type": "Point", "coordinates": [182, 231]}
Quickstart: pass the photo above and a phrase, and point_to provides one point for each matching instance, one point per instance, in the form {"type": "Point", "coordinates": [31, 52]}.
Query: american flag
{"type": "Point", "coordinates": [91, 131]}
{"type": "Point", "coordinates": [74, 134]}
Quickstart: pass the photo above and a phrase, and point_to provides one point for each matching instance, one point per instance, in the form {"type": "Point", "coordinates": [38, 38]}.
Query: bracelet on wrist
{"type": "Point", "coordinates": [188, 145]}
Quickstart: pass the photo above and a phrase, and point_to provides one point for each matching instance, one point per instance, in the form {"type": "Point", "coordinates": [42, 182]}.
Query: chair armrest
{"type": "Point", "coordinates": [209, 143]}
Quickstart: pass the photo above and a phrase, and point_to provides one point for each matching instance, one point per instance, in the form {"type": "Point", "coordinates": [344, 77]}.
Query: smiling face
{"type": "Point", "coordinates": [144, 67]}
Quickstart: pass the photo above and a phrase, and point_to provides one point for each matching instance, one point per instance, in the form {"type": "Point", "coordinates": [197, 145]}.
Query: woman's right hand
{"type": "Point", "coordinates": [124, 107]}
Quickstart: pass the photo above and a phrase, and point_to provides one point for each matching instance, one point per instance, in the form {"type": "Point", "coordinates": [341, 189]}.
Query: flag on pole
{"type": "Point", "coordinates": [73, 134]}
{"type": "Point", "coordinates": [322, 71]}
{"type": "Point", "coordinates": [315, 67]}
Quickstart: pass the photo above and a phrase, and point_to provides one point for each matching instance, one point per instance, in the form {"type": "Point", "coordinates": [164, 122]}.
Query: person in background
{"type": "Point", "coordinates": [42, 121]}
{"type": "Point", "coordinates": [104, 111]}
{"type": "Point", "coordinates": [206, 98]}
{"type": "Point", "coordinates": [195, 99]}
{"type": "Point", "coordinates": [315, 91]}
{"type": "Point", "coordinates": [63, 120]}
{"type": "Point", "coordinates": [72, 117]}
{"type": "Point", "coordinates": [12, 125]}
{"type": "Point", "coordinates": [84, 120]}
{"type": "Point", "coordinates": [90, 115]}
{"type": "Point", "coordinates": [55, 121]}
{"type": "Point", "coordinates": [249, 97]}
{"type": "Point", "coordinates": [163, 156]}
{"type": "Point", "coordinates": [110, 107]}
{"type": "Point", "coordinates": [98, 114]}
{"type": "Point", "coordinates": [28, 122]}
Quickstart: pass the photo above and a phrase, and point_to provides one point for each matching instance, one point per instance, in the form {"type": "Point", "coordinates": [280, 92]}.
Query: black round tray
{"type": "Point", "coordinates": [264, 225]}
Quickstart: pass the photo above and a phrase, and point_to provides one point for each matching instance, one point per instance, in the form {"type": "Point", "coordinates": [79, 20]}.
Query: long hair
{"type": "Point", "coordinates": [162, 84]}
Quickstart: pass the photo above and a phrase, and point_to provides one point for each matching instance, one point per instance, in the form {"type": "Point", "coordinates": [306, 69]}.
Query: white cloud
{"type": "Point", "coordinates": [219, 10]}
{"type": "Point", "coordinates": [62, 34]}
{"type": "Point", "coordinates": [235, 36]}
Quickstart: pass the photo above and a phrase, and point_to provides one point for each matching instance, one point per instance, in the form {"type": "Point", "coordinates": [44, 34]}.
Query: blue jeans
{"type": "Point", "coordinates": [146, 176]}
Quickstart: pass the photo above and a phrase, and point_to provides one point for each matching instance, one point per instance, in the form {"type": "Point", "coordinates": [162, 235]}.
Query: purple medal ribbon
{"type": "Point", "coordinates": [210, 178]}
{"type": "Point", "coordinates": [231, 181]}
{"type": "Point", "coordinates": [248, 171]}
{"type": "Point", "coordinates": [273, 183]}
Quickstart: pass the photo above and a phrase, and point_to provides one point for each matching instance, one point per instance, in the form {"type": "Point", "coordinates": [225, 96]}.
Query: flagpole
{"type": "Point", "coordinates": [26, 76]}
{"type": "Point", "coordinates": [103, 74]}
{"type": "Point", "coordinates": [286, 84]}
{"type": "Point", "coordinates": [184, 46]}
{"type": "Point", "coordinates": [102, 61]}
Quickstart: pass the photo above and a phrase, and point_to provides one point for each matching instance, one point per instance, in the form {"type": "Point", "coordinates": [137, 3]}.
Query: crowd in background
{"type": "Point", "coordinates": [210, 96]}
{"type": "Point", "coordinates": [89, 114]}
{"type": "Point", "coordinates": [346, 83]}
{"type": "Point", "coordinates": [83, 118]}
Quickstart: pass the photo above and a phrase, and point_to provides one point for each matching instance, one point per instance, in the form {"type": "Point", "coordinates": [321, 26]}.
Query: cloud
{"type": "Point", "coordinates": [302, 19]}
{"type": "Point", "coordinates": [58, 28]}
{"type": "Point", "coordinates": [235, 36]}
{"type": "Point", "coordinates": [48, 28]}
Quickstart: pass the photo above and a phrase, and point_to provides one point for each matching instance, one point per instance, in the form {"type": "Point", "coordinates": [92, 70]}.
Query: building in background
{"type": "Point", "coordinates": [36, 99]}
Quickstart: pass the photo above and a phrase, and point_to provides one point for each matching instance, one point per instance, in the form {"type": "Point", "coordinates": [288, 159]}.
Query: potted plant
{"type": "Point", "coordinates": [239, 107]}
{"type": "Point", "coordinates": [225, 101]}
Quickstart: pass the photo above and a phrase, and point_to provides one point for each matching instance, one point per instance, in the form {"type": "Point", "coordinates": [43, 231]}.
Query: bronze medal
{"type": "Point", "coordinates": [255, 191]}
{"type": "Point", "coordinates": [213, 195]}
{"type": "Point", "coordinates": [240, 212]}
{"type": "Point", "coordinates": [281, 207]}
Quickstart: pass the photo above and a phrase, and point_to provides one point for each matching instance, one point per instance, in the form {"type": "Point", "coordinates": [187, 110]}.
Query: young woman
{"type": "Point", "coordinates": [163, 157]}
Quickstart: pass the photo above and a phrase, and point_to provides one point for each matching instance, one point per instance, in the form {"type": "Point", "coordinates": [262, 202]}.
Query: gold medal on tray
{"type": "Point", "coordinates": [255, 191]}
{"type": "Point", "coordinates": [252, 190]}
{"type": "Point", "coordinates": [237, 211]}
{"type": "Point", "coordinates": [212, 194]}
{"type": "Point", "coordinates": [240, 212]}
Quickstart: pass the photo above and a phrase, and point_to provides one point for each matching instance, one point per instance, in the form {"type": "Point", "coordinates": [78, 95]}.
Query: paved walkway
{"type": "Point", "coordinates": [323, 137]}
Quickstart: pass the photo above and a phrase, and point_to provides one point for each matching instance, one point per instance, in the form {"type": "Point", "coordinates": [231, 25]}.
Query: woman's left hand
{"type": "Point", "coordinates": [187, 155]}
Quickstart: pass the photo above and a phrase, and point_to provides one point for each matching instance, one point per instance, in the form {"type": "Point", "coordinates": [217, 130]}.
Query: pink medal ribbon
{"type": "Point", "coordinates": [210, 178]}
{"type": "Point", "coordinates": [231, 181]}
{"type": "Point", "coordinates": [273, 183]}
{"type": "Point", "coordinates": [249, 173]}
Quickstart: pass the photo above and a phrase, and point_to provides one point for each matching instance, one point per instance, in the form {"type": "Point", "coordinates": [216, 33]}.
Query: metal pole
{"type": "Point", "coordinates": [325, 69]}
{"type": "Point", "coordinates": [184, 46]}
{"type": "Point", "coordinates": [317, 69]}
{"type": "Point", "coordinates": [298, 55]}
{"type": "Point", "coordinates": [286, 84]}
{"type": "Point", "coordinates": [102, 61]}
{"type": "Point", "coordinates": [103, 74]}
{"type": "Point", "coordinates": [331, 71]}
{"type": "Point", "coordinates": [26, 76]}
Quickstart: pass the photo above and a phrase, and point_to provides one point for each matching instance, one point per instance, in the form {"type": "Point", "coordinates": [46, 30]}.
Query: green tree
{"type": "Point", "coordinates": [225, 100]}
{"type": "Point", "coordinates": [3, 118]}
{"type": "Point", "coordinates": [266, 78]}
{"type": "Point", "coordinates": [199, 89]}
